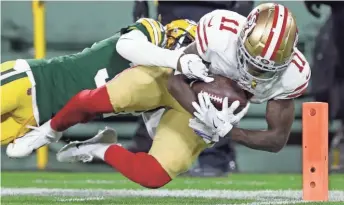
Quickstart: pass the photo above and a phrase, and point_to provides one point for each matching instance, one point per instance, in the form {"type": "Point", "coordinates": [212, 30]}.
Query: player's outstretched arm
{"type": "Point", "coordinates": [279, 117]}
{"type": "Point", "coordinates": [135, 47]}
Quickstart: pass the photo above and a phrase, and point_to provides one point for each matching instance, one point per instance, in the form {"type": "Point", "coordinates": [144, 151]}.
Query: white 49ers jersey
{"type": "Point", "coordinates": [217, 39]}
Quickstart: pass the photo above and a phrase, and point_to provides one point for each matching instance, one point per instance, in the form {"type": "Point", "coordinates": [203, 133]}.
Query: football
{"type": "Point", "coordinates": [220, 88]}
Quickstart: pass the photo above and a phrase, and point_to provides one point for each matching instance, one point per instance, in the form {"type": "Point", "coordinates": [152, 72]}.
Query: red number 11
{"type": "Point", "coordinates": [225, 25]}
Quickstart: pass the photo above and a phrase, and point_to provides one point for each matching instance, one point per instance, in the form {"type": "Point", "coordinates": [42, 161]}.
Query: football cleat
{"type": "Point", "coordinates": [38, 137]}
{"type": "Point", "coordinates": [83, 151]}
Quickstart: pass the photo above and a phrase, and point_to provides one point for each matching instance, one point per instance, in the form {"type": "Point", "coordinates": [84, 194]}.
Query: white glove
{"type": "Point", "coordinates": [193, 67]}
{"type": "Point", "coordinates": [220, 121]}
{"type": "Point", "coordinates": [207, 133]}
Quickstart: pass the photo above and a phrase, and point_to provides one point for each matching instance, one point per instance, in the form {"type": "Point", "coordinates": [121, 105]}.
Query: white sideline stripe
{"type": "Point", "coordinates": [278, 196]}
{"type": "Point", "coordinates": [80, 199]}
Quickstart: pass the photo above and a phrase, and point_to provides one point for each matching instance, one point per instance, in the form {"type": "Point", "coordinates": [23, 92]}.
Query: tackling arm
{"type": "Point", "coordinates": [190, 49]}
{"type": "Point", "coordinates": [279, 117]}
{"type": "Point", "coordinates": [135, 47]}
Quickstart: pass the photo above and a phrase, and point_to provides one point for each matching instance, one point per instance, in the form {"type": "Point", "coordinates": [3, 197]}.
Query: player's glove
{"type": "Point", "coordinates": [207, 133]}
{"type": "Point", "coordinates": [220, 121]}
{"type": "Point", "coordinates": [192, 66]}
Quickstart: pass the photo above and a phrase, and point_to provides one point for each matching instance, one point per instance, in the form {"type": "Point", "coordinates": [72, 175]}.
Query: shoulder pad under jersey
{"type": "Point", "coordinates": [216, 30]}
{"type": "Point", "coordinates": [295, 80]}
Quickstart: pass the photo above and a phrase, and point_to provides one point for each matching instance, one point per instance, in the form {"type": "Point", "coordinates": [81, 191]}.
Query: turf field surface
{"type": "Point", "coordinates": [18, 188]}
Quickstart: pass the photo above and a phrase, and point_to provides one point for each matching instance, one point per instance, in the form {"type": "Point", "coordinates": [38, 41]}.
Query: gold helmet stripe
{"type": "Point", "coordinates": [279, 21]}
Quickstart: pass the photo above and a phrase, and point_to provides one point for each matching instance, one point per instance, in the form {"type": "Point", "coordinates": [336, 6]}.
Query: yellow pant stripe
{"type": "Point", "coordinates": [13, 78]}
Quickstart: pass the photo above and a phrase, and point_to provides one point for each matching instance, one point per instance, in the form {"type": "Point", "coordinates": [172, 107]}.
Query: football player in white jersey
{"type": "Point", "coordinates": [259, 52]}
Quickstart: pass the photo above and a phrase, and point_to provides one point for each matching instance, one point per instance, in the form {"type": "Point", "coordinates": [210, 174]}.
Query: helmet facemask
{"type": "Point", "coordinates": [180, 33]}
{"type": "Point", "coordinates": [183, 40]}
{"type": "Point", "coordinates": [257, 68]}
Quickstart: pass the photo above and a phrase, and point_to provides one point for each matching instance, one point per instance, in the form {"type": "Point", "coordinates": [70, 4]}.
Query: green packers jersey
{"type": "Point", "coordinates": [59, 79]}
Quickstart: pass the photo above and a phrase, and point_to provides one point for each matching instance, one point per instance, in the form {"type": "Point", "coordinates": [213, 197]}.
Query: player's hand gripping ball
{"type": "Point", "coordinates": [220, 88]}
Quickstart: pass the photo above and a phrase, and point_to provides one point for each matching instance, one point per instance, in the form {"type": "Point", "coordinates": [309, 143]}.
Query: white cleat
{"type": "Point", "coordinates": [84, 151]}
{"type": "Point", "coordinates": [36, 138]}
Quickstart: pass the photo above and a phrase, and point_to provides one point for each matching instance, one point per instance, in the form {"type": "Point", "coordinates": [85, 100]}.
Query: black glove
{"type": "Point", "coordinates": [313, 7]}
{"type": "Point", "coordinates": [140, 10]}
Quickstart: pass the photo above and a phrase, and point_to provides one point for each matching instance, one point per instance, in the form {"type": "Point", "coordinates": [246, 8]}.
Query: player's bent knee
{"type": "Point", "coordinates": [174, 166]}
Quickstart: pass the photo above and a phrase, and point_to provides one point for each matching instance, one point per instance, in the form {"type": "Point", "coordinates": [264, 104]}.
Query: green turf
{"type": "Point", "coordinates": [115, 182]}
{"type": "Point", "coordinates": [117, 200]}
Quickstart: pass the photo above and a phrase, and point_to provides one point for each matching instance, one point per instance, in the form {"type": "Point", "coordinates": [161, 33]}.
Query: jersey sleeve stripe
{"type": "Point", "coordinates": [157, 26]}
{"type": "Point", "coordinates": [205, 35]}
{"type": "Point", "coordinates": [271, 34]}
{"type": "Point", "coordinates": [301, 87]}
{"type": "Point", "coordinates": [150, 30]}
{"type": "Point", "coordinates": [298, 94]}
{"type": "Point", "coordinates": [299, 90]}
{"type": "Point", "coordinates": [200, 41]}
{"type": "Point", "coordinates": [155, 30]}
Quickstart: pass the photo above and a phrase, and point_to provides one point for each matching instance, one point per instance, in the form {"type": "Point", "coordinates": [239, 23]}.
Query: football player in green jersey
{"type": "Point", "coordinates": [34, 90]}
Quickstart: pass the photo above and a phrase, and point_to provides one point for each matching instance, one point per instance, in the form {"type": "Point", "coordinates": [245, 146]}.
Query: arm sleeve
{"type": "Point", "coordinates": [136, 47]}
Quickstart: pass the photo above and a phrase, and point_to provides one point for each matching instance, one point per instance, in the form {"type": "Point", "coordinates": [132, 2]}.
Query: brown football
{"type": "Point", "coordinates": [220, 88]}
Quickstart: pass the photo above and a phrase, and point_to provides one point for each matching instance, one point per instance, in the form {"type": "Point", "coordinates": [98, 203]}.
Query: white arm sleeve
{"type": "Point", "coordinates": [135, 47]}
